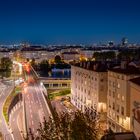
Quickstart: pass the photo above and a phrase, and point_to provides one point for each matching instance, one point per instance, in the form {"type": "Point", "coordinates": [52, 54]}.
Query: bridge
{"type": "Point", "coordinates": [56, 83]}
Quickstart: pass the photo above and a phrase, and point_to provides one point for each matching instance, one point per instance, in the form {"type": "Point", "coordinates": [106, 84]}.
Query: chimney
{"type": "Point", "coordinates": [80, 64]}
{"type": "Point", "coordinates": [88, 65]}
{"type": "Point", "coordinates": [84, 65]}
{"type": "Point", "coordinates": [123, 64]}
{"type": "Point", "coordinates": [95, 66]}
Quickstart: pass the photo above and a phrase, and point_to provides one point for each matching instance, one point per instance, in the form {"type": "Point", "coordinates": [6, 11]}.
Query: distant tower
{"type": "Point", "coordinates": [124, 41]}
{"type": "Point", "coordinates": [110, 43]}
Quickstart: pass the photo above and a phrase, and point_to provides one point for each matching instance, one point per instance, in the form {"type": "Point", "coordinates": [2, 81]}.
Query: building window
{"type": "Point", "coordinates": [118, 85]}
{"type": "Point", "coordinates": [113, 94]}
{"type": "Point", "coordinates": [122, 110]}
{"type": "Point", "coordinates": [118, 107]}
{"type": "Point", "coordinates": [89, 92]}
{"type": "Point", "coordinates": [117, 118]}
{"type": "Point", "coordinates": [102, 80]}
{"type": "Point", "coordinates": [109, 83]}
{"type": "Point", "coordinates": [85, 90]}
{"type": "Point", "coordinates": [101, 88]}
{"type": "Point", "coordinates": [118, 96]}
{"type": "Point", "coordinates": [118, 76]}
{"type": "Point", "coordinates": [113, 84]}
{"type": "Point", "coordinates": [109, 104]}
{"type": "Point", "coordinates": [109, 92]}
{"type": "Point", "coordinates": [113, 106]}
{"type": "Point", "coordinates": [122, 98]}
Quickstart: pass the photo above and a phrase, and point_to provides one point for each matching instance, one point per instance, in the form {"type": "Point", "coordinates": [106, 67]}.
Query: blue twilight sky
{"type": "Point", "coordinates": [69, 21]}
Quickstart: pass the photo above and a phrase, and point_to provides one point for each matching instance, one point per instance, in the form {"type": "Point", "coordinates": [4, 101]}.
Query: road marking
{"type": "Point", "coordinates": [32, 122]}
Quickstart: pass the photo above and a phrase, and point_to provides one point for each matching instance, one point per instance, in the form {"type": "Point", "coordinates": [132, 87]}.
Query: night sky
{"type": "Point", "coordinates": [69, 21]}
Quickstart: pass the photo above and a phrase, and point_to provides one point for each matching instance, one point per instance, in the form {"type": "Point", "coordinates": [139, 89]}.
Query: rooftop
{"type": "Point", "coordinates": [70, 53]}
{"type": "Point", "coordinates": [97, 66]}
{"type": "Point", "coordinates": [136, 81]}
{"type": "Point", "coordinates": [120, 136]}
{"type": "Point", "coordinates": [129, 70]}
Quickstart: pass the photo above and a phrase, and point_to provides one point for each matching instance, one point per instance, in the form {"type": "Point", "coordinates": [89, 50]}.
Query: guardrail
{"type": "Point", "coordinates": [14, 102]}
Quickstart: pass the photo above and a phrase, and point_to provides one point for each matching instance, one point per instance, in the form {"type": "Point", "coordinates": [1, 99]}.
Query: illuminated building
{"type": "Point", "coordinates": [89, 87]}
{"type": "Point", "coordinates": [135, 106]}
{"type": "Point", "coordinates": [118, 97]}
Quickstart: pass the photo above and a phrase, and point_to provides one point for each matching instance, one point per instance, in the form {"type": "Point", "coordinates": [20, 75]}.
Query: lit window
{"type": "Point", "coordinates": [118, 85]}
{"type": "Point", "coordinates": [122, 98]}
{"type": "Point", "coordinates": [118, 95]}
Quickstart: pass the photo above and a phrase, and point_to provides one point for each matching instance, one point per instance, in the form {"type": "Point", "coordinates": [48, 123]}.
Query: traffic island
{"type": "Point", "coordinates": [8, 102]}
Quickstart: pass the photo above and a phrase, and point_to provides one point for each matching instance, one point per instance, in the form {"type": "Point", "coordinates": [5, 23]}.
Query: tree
{"type": "Point", "coordinates": [33, 63]}
{"type": "Point", "coordinates": [126, 54]}
{"type": "Point", "coordinates": [65, 126]}
{"type": "Point", "coordinates": [6, 63]}
{"type": "Point", "coordinates": [44, 66]}
{"type": "Point", "coordinates": [57, 59]}
{"type": "Point", "coordinates": [100, 56]}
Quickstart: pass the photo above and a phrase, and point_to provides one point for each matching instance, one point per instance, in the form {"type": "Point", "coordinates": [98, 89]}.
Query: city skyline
{"type": "Point", "coordinates": [62, 22]}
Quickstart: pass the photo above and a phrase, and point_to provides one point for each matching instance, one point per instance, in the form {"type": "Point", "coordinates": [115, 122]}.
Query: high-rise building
{"type": "Point", "coordinates": [124, 41]}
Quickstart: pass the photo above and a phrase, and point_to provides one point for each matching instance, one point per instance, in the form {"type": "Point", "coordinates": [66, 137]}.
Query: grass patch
{"type": "Point", "coordinates": [9, 100]}
{"type": "Point", "coordinates": [59, 93]}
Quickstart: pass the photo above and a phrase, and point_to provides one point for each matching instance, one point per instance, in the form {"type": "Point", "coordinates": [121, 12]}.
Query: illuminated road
{"type": "Point", "coordinates": [5, 90]}
{"type": "Point", "coordinates": [35, 106]}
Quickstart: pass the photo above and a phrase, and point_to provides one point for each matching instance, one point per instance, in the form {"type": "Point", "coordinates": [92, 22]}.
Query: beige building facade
{"type": "Point", "coordinates": [135, 106]}
{"type": "Point", "coordinates": [89, 89]}
{"type": "Point", "coordinates": [118, 98]}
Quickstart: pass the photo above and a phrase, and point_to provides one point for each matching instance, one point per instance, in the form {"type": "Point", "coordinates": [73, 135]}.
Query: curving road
{"type": "Point", "coordinates": [5, 90]}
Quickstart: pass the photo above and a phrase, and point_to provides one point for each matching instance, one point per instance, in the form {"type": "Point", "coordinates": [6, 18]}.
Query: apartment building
{"type": "Point", "coordinates": [118, 97]}
{"type": "Point", "coordinates": [135, 106]}
{"type": "Point", "coordinates": [70, 56]}
{"type": "Point", "coordinates": [89, 87]}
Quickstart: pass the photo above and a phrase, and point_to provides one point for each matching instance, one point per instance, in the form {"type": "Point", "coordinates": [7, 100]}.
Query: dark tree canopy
{"type": "Point", "coordinates": [44, 66]}
{"type": "Point", "coordinates": [75, 126]}
{"type": "Point", "coordinates": [57, 59]}
{"type": "Point", "coordinates": [110, 55]}
{"type": "Point", "coordinates": [6, 63]}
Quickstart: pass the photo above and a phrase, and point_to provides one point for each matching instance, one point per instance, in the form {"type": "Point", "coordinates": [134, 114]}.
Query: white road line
{"type": "Point", "coordinates": [32, 122]}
